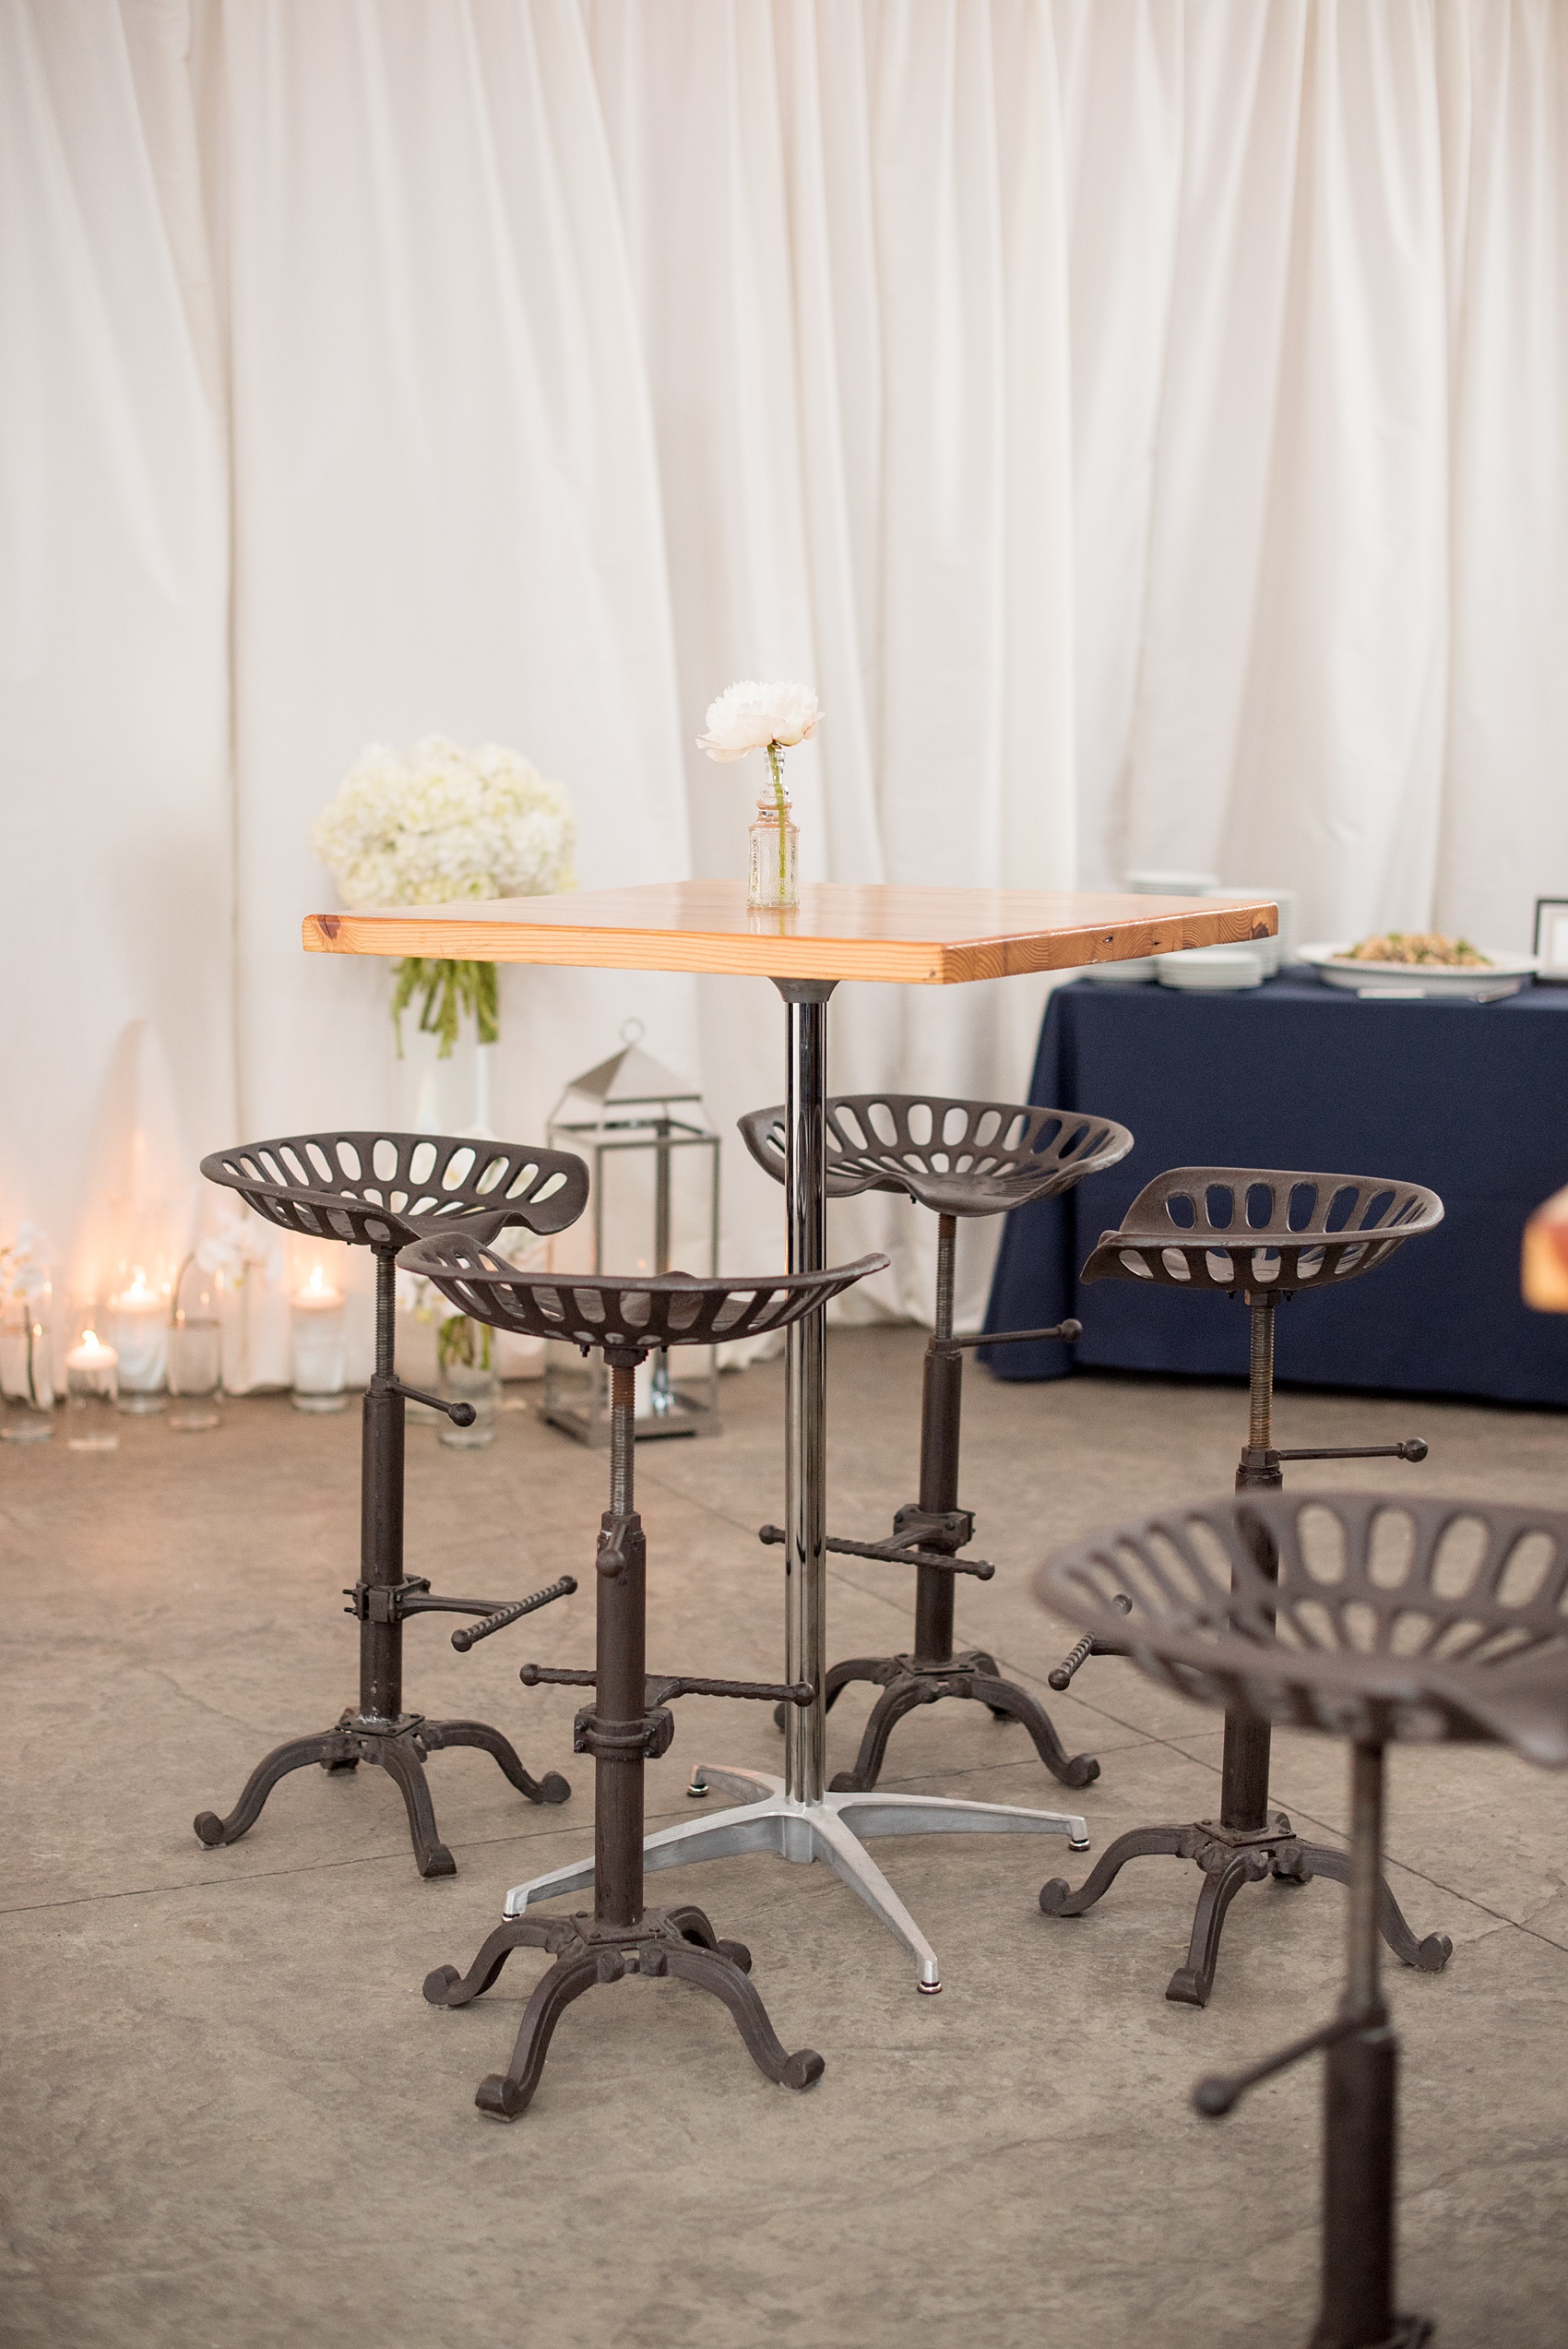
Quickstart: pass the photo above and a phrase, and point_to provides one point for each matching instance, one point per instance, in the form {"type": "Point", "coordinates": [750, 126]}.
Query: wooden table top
{"type": "Point", "coordinates": [841, 930]}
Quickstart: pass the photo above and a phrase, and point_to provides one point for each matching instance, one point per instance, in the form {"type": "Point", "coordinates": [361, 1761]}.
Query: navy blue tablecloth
{"type": "Point", "coordinates": [1471, 1099]}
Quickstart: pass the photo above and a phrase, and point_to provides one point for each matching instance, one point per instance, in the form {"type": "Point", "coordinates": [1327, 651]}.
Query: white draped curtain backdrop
{"type": "Point", "coordinates": [1144, 420]}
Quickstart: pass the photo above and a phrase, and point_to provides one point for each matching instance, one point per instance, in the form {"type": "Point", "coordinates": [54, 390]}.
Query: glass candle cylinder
{"type": "Point", "coordinates": [195, 1349]}
{"type": "Point", "coordinates": [139, 1327]}
{"type": "Point", "coordinates": [771, 871]}
{"type": "Point", "coordinates": [91, 1383]}
{"type": "Point", "coordinates": [319, 1331]}
{"type": "Point", "coordinates": [195, 1369]}
{"type": "Point", "coordinates": [27, 1380]}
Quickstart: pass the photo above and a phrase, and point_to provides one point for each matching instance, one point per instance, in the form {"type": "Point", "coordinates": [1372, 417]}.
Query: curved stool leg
{"type": "Point", "coordinates": [839, 1678]}
{"type": "Point", "coordinates": [711, 1970]}
{"type": "Point", "coordinates": [447, 1987]}
{"type": "Point", "coordinates": [1428, 1957]}
{"type": "Point", "coordinates": [1189, 1985]}
{"type": "Point", "coordinates": [1057, 1897]}
{"type": "Point", "coordinates": [1010, 1703]}
{"type": "Point", "coordinates": [330, 1749]}
{"type": "Point", "coordinates": [692, 1925]}
{"type": "Point", "coordinates": [985, 1663]}
{"type": "Point", "coordinates": [401, 1764]}
{"type": "Point", "coordinates": [507, 2094]}
{"type": "Point", "coordinates": [885, 1714]}
{"type": "Point", "coordinates": [551, 1788]}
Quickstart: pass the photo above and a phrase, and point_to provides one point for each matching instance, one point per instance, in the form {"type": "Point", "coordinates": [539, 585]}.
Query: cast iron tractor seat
{"type": "Point", "coordinates": [1367, 1618]}
{"type": "Point", "coordinates": [956, 1157]}
{"type": "Point", "coordinates": [384, 1191]}
{"type": "Point", "coordinates": [1262, 1234]}
{"type": "Point", "coordinates": [628, 1722]}
{"type": "Point", "coordinates": [1239, 1229]}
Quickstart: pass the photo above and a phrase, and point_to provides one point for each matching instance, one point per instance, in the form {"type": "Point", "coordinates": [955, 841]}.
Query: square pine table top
{"type": "Point", "coordinates": [931, 937]}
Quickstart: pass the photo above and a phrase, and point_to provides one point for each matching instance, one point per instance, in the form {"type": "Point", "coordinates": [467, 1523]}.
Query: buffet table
{"type": "Point", "coordinates": [1471, 1099]}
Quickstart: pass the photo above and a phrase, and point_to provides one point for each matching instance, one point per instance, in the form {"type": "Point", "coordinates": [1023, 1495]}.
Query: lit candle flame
{"type": "Point", "coordinates": [138, 1296]}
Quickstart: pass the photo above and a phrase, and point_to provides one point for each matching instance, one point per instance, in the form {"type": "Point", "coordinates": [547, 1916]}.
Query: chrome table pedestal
{"type": "Point", "coordinates": [795, 1817]}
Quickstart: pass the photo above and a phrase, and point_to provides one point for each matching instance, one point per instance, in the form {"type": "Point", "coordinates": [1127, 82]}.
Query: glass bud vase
{"type": "Point", "coordinates": [27, 1381]}
{"type": "Point", "coordinates": [195, 1349]}
{"type": "Point", "coordinates": [775, 848]}
{"type": "Point", "coordinates": [469, 1374]}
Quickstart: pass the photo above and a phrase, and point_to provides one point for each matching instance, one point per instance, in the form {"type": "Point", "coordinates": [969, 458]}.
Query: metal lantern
{"type": "Point", "coordinates": [654, 1160]}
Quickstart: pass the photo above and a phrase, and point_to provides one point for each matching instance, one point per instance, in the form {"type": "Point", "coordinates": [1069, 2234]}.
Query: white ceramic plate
{"type": "Point", "coordinates": [1421, 980]}
{"type": "Point", "coordinates": [1212, 970]}
{"type": "Point", "coordinates": [1135, 973]}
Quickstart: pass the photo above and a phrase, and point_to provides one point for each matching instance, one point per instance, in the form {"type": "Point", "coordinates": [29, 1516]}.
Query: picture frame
{"type": "Point", "coordinates": [1551, 939]}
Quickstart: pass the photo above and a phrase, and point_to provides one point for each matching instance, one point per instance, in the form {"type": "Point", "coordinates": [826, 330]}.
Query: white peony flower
{"type": "Point", "coordinates": [748, 716]}
{"type": "Point", "coordinates": [441, 823]}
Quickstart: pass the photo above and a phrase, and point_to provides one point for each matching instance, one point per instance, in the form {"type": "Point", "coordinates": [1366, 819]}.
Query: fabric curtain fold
{"type": "Point", "coordinates": [1141, 419]}
{"type": "Point", "coordinates": [113, 598]}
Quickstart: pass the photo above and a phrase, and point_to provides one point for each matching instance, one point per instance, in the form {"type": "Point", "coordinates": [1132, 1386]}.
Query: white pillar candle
{"type": "Point", "coordinates": [140, 1330]}
{"type": "Point", "coordinates": [320, 1344]}
{"type": "Point", "coordinates": [92, 1376]}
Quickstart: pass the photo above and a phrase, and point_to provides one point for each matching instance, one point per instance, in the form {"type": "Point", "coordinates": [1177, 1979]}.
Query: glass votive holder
{"type": "Point", "coordinates": [478, 1385]}
{"type": "Point", "coordinates": [139, 1327]}
{"type": "Point", "coordinates": [195, 1370]}
{"type": "Point", "coordinates": [26, 1388]}
{"type": "Point", "coordinates": [320, 1348]}
{"type": "Point", "coordinates": [92, 1384]}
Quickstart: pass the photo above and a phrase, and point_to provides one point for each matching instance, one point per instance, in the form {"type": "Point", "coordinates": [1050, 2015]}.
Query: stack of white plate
{"type": "Point", "coordinates": [1149, 884]}
{"type": "Point", "coordinates": [1214, 970]}
{"type": "Point", "coordinates": [1275, 951]}
{"type": "Point", "coordinates": [1210, 970]}
{"type": "Point", "coordinates": [1135, 973]}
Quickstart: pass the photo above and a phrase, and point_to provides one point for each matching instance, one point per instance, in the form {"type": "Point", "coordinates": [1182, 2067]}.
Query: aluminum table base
{"type": "Point", "coordinates": [833, 1828]}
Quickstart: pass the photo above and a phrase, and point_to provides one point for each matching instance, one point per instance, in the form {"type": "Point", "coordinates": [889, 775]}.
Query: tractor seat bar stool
{"type": "Point", "coordinates": [1368, 1618]}
{"type": "Point", "coordinates": [382, 1191]}
{"type": "Point", "coordinates": [1265, 1235]}
{"type": "Point", "coordinates": [955, 1157]}
{"type": "Point", "coordinates": [627, 1723]}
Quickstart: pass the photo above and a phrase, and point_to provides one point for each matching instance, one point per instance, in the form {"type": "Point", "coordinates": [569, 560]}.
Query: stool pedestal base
{"type": "Point", "coordinates": [1230, 1858]}
{"type": "Point", "coordinates": [833, 1828]}
{"type": "Point", "coordinates": [590, 1950]}
{"type": "Point", "coordinates": [400, 1747]}
{"type": "Point", "coordinates": [909, 1681]}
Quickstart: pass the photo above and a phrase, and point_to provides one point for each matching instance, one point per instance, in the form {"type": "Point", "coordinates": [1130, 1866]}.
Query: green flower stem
{"type": "Point", "coordinates": [776, 763]}
{"type": "Point", "coordinates": [455, 1342]}
{"type": "Point", "coordinates": [449, 989]}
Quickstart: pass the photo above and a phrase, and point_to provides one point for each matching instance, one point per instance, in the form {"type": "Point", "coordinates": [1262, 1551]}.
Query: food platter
{"type": "Point", "coordinates": [1502, 974]}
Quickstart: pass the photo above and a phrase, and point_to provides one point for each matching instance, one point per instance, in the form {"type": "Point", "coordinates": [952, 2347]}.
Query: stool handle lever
{"type": "Point", "coordinates": [500, 1617]}
{"type": "Point", "coordinates": [660, 1692]}
{"type": "Point", "coordinates": [1413, 1447]}
{"type": "Point", "coordinates": [767, 1692]}
{"type": "Point", "coordinates": [1062, 1673]}
{"type": "Point", "coordinates": [1065, 1330]}
{"type": "Point", "coordinates": [460, 1415]}
{"type": "Point", "coordinates": [891, 1553]}
{"type": "Point", "coordinates": [1215, 2095]}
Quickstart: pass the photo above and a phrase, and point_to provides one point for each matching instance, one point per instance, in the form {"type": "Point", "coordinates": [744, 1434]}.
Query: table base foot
{"type": "Point", "coordinates": [835, 1828]}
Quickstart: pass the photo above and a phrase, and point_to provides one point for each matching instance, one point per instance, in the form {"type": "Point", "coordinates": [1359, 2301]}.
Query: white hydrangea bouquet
{"type": "Point", "coordinates": [433, 825]}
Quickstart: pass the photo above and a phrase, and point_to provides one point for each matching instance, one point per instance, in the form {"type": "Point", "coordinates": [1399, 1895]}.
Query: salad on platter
{"type": "Point", "coordinates": [1427, 947]}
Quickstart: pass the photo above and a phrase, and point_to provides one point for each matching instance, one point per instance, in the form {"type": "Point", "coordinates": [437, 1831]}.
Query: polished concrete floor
{"type": "Point", "coordinates": [231, 2121]}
